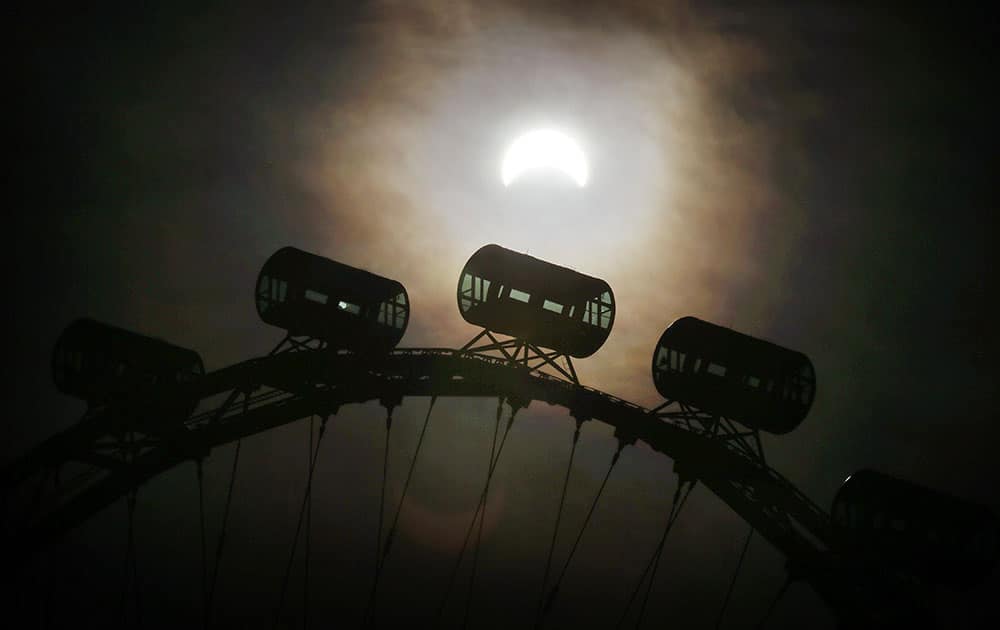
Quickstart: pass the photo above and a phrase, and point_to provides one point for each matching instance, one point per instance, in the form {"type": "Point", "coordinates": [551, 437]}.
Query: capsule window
{"type": "Point", "coordinates": [475, 290]}
{"type": "Point", "coordinates": [598, 311]}
{"type": "Point", "coordinates": [271, 290]}
{"type": "Point", "coordinates": [188, 374]}
{"type": "Point", "coordinates": [669, 359]}
{"type": "Point", "coordinates": [753, 381]}
{"type": "Point", "coordinates": [794, 392]}
{"type": "Point", "coordinates": [316, 296]}
{"type": "Point", "coordinates": [353, 309]}
{"type": "Point", "coordinates": [803, 384]}
{"type": "Point", "coordinates": [662, 358]}
{"type": "Point", "coordinates": [465, 294]}
{"type": "Point", "coordinates": [716, 369]}
{"type": "Point", "coordinates": [393, 313]}
{"type": "Point", "coordinates": [520, 296]}
{"type": "Point", "coordinates": [400, 308]}
{"type": "Point", "coordinates": [606, 310]}
{"type": "Point", "coordinates": [555, 307]}
{"type": "Point", "coordinates": [279, 289]}
{"type": "Point", "coordinates": [677, 360]}
{"type": "Point", "coordinates": [265, 288]}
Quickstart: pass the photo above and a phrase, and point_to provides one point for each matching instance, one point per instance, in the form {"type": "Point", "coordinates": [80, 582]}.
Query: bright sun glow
{"type": "Point", "coordinates": [544, 148]}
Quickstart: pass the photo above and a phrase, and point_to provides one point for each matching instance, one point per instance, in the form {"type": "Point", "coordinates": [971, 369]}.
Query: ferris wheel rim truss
{"type": "Point", "coordinates": [303, 378]}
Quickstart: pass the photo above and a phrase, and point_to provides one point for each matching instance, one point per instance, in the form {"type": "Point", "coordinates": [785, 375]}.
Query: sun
{"type": "Point", "coordinates": [544, 148]}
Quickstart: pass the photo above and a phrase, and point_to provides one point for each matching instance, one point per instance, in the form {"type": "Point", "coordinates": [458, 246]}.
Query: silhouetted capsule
{"type": "Point", "coordinates": [99, 362]}
{"type": "Point", "coordinates": [728, 373]}
{"type": "Point", "coordinates": [940, 538]}
{"type": "Point", "coordinates": [545, 304]}
{"type": "Point", "coordinates": [348, 308]}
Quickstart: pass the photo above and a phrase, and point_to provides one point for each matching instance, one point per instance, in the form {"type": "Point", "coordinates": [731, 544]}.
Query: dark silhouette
{"type": "Point", "coordinates": [727, 373]}
{"type": "Point", "coordinates": [936, 537]}
{"type": "Point", "coordinates": [887, 543]}
{"type": "Point", "coordinates": [99, 362]}
{"type": "Point", "coordinates": [343, 306]}
{"type": "Point", "coordinates": [551, 306]}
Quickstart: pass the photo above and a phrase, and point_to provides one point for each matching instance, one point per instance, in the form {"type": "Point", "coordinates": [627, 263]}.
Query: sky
{"type": "Point", "coordinates": [811, 174]}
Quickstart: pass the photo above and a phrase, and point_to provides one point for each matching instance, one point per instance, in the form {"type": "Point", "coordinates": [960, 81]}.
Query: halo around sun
{"type": "Point", "coordinates": [544, 148]}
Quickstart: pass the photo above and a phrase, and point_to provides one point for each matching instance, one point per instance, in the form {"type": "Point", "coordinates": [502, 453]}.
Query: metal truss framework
{"type": "Point", "coordinates": [734, 436]}
{"type": "Point", "coordinates": [518, 352]}
{"type": "Point", "coordinates": [121, 447]}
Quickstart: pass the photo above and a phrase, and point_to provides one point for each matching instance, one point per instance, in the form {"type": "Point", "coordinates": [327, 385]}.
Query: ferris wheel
{"type": "Point", "coordinates": [152, 407]}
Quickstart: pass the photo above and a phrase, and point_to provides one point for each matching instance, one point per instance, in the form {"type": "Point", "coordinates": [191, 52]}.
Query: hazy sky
{"type": "Point", "coordinates": [813, 175]}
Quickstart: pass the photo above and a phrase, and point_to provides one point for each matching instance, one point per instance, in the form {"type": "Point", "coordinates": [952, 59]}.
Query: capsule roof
{"type": "Point", "coordinates": [545, 304]}
{"type": "Point", "coordinates": [939, 537]}
{"type": "Point", "coordinates": [97, 361]}
{"type": "Point", "coordinates": [728, 373]}
{"type": "Point", "coordinates": [345, 306]}
{"type": "Point", "coordinates": [534, 274]}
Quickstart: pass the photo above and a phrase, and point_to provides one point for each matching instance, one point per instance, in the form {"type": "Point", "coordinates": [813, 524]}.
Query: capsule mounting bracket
{"type": "Point", "coordinates": [519, 352]}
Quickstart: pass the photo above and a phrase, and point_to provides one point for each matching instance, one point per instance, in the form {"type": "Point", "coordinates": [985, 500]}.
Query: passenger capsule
{"type": "Point", "coordinates": [530, 299]}
{"type": "Point", "coordinates": [935, 536]}
{"type": "Point", "coordinates": [347, 307]}
{"type": "Point", "coordinates": [98, 362]}
{"type": "Point", "coordinates": [727, 373]}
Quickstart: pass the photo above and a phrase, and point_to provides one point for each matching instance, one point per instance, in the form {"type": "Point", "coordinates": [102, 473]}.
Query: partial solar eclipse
{"type": "Point", "coordinates": [544, 148]}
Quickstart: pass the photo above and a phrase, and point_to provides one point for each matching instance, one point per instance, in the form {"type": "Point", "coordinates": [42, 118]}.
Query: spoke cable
{"type": "Point", "coordinates": [126, 575]}
{"type": "Point", "coordinates": [381, 503]}
{"type": "Point", "coordinates": [381, 510]}
{"type": "Point", "coordinates": [201, 521]}
{"type": "Point", "coordinates": [131, 566]}
{"type": "Point", "coordinates": [298, 526]}
{"type": "Point", "coordinates": [732, 583]}
{"type": "Point", "coordinates": [554, 591]}
{"type": "Point", "coordinates": [131, 572]}
{"type": "Point", "coordinates": [671, 517]}
{"type": "Point", "coordinates": [774, 603]}
{"type": "Point", "coordinates": [559, 513]}
{"type": "Point", "coordinates": [482, 518]}
{"type": "Point", "coordinates": [308, 543]}
{"type": "Point", "coordinates": [658, 554]}
{"type": "Point", "coordinates": [222, 537]}
{"type": "Point", "coordinates": [135, 570]}
{"type": "Point", "coordinates": [482, 499]}
{"type": "Point", "coordinates": [373, 594]}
